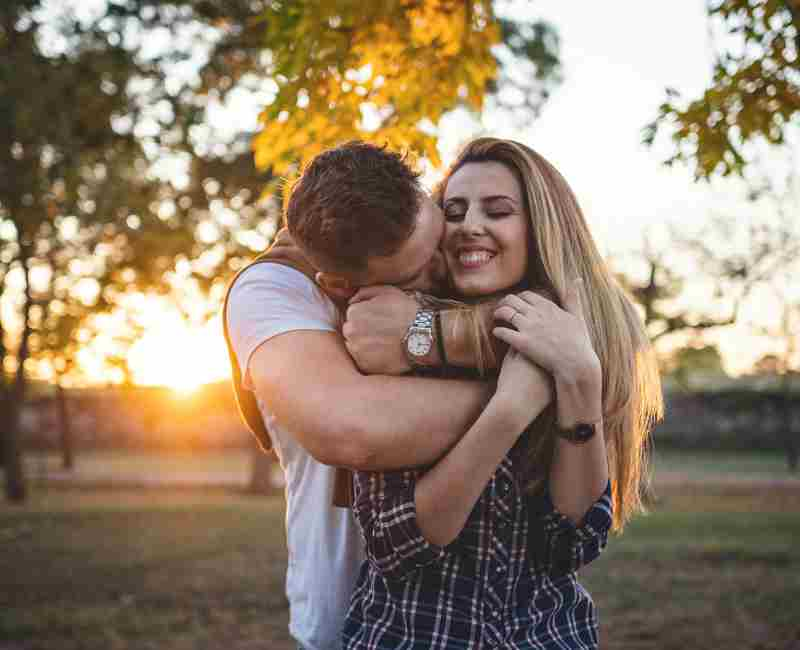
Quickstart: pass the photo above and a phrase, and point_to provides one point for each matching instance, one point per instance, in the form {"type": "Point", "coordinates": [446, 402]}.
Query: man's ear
{"type": "Point", "coordinates": [336, 286]}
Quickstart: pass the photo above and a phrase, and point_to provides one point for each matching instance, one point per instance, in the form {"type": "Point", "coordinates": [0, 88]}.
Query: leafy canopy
{"type": "Point", "coordinates": [386, 71]}
{"type": "Point", "coordinates": [754, 94]}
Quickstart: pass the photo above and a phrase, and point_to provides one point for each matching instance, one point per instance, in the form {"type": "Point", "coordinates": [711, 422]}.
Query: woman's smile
{"type": "Point", "coordinates": [472, 258]}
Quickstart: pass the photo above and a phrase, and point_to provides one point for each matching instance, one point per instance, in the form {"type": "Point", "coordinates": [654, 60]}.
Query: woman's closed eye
{"type": "Point", "coordinates": [455, 217]}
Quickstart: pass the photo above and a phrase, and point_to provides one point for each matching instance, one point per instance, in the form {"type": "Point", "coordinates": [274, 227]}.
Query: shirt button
{"type": "Point", "coordinates": [500, 569]}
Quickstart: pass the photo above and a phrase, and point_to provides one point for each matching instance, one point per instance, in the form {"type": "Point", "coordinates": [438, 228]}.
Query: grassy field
{"type": "Point", "coordinates": [714, 565]}
{"type": "Point", "coordinates": [232, 467]}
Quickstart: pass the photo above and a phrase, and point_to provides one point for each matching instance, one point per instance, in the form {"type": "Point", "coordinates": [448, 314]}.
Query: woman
{"type": "Point", "coordinates": [481, 549]}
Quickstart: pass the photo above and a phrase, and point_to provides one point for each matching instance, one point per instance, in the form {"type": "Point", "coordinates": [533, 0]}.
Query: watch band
{"type": "Point", "coordinates": [423, 320]}
{"type": "Point", "coordinates": [579, 434]}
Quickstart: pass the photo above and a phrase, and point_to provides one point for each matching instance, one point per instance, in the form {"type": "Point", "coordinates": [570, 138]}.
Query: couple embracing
{"type": "Point", "coordinates": [470, 361]}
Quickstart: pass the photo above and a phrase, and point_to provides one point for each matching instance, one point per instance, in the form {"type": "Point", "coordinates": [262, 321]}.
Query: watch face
{"type": "Point", "coordinates": [419, 344]}
{"type": "Point", "coordinates": [583, 432]}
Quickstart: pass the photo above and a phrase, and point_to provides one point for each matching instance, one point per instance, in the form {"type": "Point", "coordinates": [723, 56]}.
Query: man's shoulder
{"type": "Point", "coordinates": [272, 281]}
{"type": "Point", "coordinates": [276, 298]}
{"type": "Point", "coordinates": [268, 272]}
{"type": "Point", "coordinates": [267, 300]}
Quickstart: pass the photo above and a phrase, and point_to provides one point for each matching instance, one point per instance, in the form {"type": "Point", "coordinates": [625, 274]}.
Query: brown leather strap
{"type": "Point", "coordinates": [283, 251]}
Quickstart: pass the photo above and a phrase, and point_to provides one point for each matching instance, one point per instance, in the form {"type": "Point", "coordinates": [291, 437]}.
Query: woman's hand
{"type": "Point", "coordinates": [554, 338]}
{"type": "Point", "coordinates": [523, 387]}
{"type": "Point", "coordinates": [557, 340]}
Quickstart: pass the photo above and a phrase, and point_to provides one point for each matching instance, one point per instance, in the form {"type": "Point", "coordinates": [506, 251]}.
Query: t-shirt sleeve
{"type": "Point", "coordinates": [271, 299]}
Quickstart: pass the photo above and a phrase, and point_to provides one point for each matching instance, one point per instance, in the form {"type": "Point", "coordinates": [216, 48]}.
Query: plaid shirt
{"type": "Point", "coordinates": [507, 581]}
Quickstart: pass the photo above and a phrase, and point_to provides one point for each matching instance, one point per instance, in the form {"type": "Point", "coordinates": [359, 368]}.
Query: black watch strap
{"type": "Point", "coordinates": [578, 434]}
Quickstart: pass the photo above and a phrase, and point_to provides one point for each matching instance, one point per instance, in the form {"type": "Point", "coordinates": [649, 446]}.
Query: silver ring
{"type": "Point", "coordinates": [516, 313]}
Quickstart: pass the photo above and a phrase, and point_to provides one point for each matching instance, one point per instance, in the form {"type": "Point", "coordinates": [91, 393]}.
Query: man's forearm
{"type": "Point", "coordinates": [345, 418]}
{"type": "Point", "coordinates": [411, 421]}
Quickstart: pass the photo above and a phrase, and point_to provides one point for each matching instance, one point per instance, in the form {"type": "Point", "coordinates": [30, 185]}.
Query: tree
{"type": "Point", "coordinates": [754, 95]}
{"type": "Point", "coordinates": [388, 71]}
{"type": "Point", "coordinates": [662, 282]}
{"type": "Point", "coordinates": [75, 196]}
{"type": "Point", "coordinates": [693, 360]}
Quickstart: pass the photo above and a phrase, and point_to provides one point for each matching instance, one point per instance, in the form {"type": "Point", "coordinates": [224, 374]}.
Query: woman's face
{"type": "Point", "coordinates": [486, 229]}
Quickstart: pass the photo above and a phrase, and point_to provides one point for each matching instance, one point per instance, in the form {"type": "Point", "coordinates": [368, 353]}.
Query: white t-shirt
{"type": "Point", "coordinates": [325, 547]}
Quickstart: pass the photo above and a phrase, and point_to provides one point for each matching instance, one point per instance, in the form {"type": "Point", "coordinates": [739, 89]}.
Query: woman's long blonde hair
{"type": "Point", "coordinates": [562, 249]}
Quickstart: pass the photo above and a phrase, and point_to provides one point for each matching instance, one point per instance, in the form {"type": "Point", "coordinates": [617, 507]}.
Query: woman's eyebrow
{"type": "Point", "coordinates": [455, 199]}
{"type": "Point", "coordinates": [495, 197]}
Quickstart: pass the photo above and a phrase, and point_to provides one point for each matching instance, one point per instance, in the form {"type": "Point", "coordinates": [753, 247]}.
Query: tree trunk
{"type": "Point", "coordinates": [12, 454]}
{"type": "Point", "coordinates": [12, 447]}
{"type": "Point", "coordinates": [67, 459]}
{"type": "Point", "coordinates": [261, 481]}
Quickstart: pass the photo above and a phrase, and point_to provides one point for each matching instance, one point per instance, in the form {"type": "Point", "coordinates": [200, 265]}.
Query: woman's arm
{"type": "Point", "coordinates": [445, 494]}
{"type": "Point", "coordinates": [557, 340]}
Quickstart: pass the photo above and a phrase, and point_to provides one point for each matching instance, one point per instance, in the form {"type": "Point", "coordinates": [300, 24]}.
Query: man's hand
{"type": "Point", "coordinates": [377, 320]}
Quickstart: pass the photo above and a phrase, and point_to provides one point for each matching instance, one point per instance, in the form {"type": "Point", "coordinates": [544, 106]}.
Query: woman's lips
{"type": "Point", "coordinates": [474, 259]}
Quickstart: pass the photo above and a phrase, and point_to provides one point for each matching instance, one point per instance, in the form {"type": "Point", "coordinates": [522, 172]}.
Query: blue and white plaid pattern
{"type": "Point", "coordinates": [507, 581]}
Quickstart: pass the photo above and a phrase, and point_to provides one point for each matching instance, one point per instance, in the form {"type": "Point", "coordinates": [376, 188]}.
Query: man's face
{"type": "Point", "coordinates": [418, 264]}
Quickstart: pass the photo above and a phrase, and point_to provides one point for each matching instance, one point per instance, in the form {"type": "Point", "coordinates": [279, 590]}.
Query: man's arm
{"type": "Point", "coordinates": [378, 318]}
{"type": "Point", "coordinates": [344, 418]}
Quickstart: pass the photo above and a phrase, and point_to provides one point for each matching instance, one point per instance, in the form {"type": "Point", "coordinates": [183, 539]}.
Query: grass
{"type": "Point", "coordinates": [231, 467]}
{"type": "Point", "coordinates": [714, 465]}
{"type": "Point", "coordinates": [713, 566]}
{"type": "Point", "coordinates": [704, 571]}
{"type": "Point", "coordinates": [121, 569]}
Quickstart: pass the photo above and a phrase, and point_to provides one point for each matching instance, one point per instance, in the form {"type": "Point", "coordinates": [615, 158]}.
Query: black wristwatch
{"type": "Point", "coordinates": [578, 434]}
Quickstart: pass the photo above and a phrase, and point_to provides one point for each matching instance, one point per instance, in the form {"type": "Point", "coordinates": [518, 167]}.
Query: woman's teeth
{"type": "Point", "coordinates": [472, 259]}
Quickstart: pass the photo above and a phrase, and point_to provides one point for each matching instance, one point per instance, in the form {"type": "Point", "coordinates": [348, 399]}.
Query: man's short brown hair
{"type": "Point", "coordinates": [353, 202]}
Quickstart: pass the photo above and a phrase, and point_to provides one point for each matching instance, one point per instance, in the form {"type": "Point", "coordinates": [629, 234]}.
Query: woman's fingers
{"type": "Point", "coordinates": [507, 335]}
{"type": "Point", "coordinates": [512, 304]}
{"type": "Point", "coordinates": [507, 314]}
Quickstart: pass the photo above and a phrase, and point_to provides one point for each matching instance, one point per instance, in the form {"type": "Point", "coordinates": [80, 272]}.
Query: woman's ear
{"type": "Point", "coordinates": [336, 286]}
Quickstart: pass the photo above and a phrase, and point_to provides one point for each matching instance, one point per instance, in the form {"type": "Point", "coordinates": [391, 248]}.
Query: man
{"type": "Point", "coordinates": [365, 204]}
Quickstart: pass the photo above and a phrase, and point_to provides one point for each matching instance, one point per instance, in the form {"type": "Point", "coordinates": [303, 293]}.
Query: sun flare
{"type": "Point", "coordinates": [177, 355]}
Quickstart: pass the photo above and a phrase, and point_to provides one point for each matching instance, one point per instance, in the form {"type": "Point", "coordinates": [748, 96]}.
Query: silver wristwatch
{"type": "Point", "coordinates": [418, 340]}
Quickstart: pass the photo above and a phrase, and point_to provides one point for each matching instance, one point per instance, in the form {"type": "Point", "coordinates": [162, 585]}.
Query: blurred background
{"type": "Point", "coordinates": [143, 149]}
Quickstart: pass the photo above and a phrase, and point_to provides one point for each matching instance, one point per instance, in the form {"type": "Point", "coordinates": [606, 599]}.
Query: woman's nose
{"type": "Point", "coordinates": [473, 224]}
